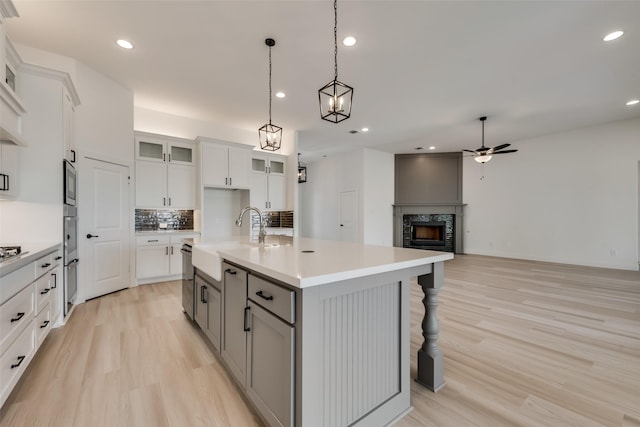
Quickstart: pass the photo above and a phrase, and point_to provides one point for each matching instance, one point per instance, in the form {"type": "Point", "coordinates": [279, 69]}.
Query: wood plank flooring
{"type": "Point", "coordinates": [525, 344]}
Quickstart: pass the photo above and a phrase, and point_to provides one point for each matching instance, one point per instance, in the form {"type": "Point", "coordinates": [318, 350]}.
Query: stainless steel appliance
{"type": "Point", "coordinates": [70, 183]}
{"type": "Point", "coordinates": [70, 257]}
{"type": "Point", "coordinates": [6, 252]}
{"type": "Point", "coordinates": [188, 284]}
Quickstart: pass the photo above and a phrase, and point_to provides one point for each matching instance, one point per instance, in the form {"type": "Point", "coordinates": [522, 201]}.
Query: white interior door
{"type": "Point", "coordinates": [349, 216]}
{"type": "Point", "coordinates": [103, 211]}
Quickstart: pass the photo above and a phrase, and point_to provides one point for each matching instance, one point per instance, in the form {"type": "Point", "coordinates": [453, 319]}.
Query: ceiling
{"type": "Point", "coordinates": [422, 71]}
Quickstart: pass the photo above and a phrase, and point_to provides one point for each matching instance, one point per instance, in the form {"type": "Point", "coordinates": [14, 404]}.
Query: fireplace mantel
{"type": "Point", "coordinates": [399, 210]}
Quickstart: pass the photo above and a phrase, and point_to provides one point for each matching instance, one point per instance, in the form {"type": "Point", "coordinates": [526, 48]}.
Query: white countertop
{"type": "Point", "coordinates": [285, 258]}
{"type": "Point", "coordinates": [30, 252]}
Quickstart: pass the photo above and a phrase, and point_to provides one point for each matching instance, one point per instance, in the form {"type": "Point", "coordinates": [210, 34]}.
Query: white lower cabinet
{"type": "Point", "coordinates": [158, 256]}
{"type": "Point", "coordinates": [15, 360]}
{"type": "Point", "coordinates": [27, 296]}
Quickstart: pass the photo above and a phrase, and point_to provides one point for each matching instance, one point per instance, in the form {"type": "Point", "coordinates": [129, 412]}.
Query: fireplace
{"type": "Point", "coordinates": [427, 231]}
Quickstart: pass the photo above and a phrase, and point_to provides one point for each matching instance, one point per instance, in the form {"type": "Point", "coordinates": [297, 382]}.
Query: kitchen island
{"type": "Point", "coordinates": [324, 326]}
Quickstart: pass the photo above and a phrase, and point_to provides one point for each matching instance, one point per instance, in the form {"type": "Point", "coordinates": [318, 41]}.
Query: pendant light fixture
{"type": "Point", "coordinates": [270, 135]}
{"type": "Point", "coordinates": [335, 97]}
{"type": "Point", "coordinates": [302, 172]}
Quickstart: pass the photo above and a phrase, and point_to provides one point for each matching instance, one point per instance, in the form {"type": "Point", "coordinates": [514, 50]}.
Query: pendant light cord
{"type": "Point", "coordinates": [269, 84]}
{"type": "Point", "coordinates": [335, 37]}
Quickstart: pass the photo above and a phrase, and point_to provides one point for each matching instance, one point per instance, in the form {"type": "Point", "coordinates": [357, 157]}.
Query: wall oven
{"type": "Point", "coordinates": [69, 183]}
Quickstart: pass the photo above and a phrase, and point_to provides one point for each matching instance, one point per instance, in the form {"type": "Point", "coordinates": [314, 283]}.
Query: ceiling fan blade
{"type": "Point", "coordinates": [504, 152]}
{"type": "Point", "coordinates": [500, 147]}
{"type": "Point", "coordinates": [470, 151]}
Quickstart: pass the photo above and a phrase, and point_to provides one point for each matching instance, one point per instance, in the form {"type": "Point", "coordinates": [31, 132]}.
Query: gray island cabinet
{"type": "Point", "coordinates": [316, 333]}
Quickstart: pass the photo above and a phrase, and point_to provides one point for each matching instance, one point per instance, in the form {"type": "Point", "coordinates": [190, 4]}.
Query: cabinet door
{"type": "Point", "coordinates": [67, 127]}
{"type": "Point", "coordinates": [258, 192]}
{"type": "Point", "coordinates": [270, 366]}
{"type": "Point", "coordinates": [181, 187]}
{"type": "Point", "coordinates": [152, 261]}
{"type": "Point", "coordinates": [214, 305]}
{"type": "Point", "coordinates": [239, 167]}
{"type": "Point", "coordinates": [215, 165]}
{"type": "Point", "coordinates": [151, 182]}
{"type": "Point", "coordinates": [9, 156]}
{"type": "Point", "coordinates": [175, 259]}
{"type": "Point", "coordinates": [234, 336]}
{"type": "Point", "coordinates": [150, 150]}
{"type": "Point", "coordinates": [180, 153]}
{"type": "Point", "coordinates": [201, 309]}
{"type": "Point", "coordinates": [56, 294]}
{"type": "Point", "coordinates": [276, 192]}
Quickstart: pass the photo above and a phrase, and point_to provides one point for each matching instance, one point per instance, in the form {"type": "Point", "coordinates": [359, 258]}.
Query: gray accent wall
{"type": "Point", "coordinates": [428, 179]}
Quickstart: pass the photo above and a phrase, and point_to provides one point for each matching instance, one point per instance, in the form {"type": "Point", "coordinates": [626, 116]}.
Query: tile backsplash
{"type": "Point", "coordinates": [159, 219]}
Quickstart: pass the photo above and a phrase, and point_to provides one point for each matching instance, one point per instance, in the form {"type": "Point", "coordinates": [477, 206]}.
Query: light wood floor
{"type": "Point", "coordinates": [525, 344]}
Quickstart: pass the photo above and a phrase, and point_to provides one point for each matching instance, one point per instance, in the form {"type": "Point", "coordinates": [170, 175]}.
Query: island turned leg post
{"type": "Point", "coordinates": [430, 360]}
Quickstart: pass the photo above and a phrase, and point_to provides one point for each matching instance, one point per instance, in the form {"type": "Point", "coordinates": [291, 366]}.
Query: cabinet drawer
{"type": "Point", "coordinates": [14, 282]}
{"type": "Point", "coordinates": [152, 240]}
{"type": "Point", "coordinates": [56, 257]}
{"type": "Point", "coordinates": [43, 291]}
{"type": "Point", "coordinates": [43, 324]}
{"type": "Point", "coordinates": [15, 360]}
{"type": "Point", "coordinates": [15, 314]}
{"type": "Point", "coordinates": [278, 300]}
{"type": "Point", "coordinates": [44, 264]}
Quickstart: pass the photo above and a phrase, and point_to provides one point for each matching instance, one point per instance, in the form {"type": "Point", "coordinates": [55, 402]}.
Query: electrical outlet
{"type": "Point", "coordinates": [612, 252]}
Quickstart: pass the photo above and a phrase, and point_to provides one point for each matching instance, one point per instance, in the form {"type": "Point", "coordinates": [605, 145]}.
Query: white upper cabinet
{"type": "Point", "coordinates": [68, 111]}
{"type": "Point", "coordinates": [165, 172]}
{"type": "Point", "coordinates": [165, 149]}
{"type": "Point", "coordinates": [225, 165]}
{"type": "Point", "coordinates": [9, 156]}
{"type": "Point", "coordinates": [268, 184]}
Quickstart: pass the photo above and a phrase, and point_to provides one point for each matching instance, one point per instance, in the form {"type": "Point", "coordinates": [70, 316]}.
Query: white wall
{"type": "Point", "coordinates": [370, 173]}
{"type": "Point", "coordinates": [378, 197]}
{"type": "Point", "coordinates": [104, 119]}
{"type": "Point", "coordinates": [220, 209]}
{"type": "Point", "coordinates": [569, 198]}
{"type": "Point", "coordinates": [36, 213]}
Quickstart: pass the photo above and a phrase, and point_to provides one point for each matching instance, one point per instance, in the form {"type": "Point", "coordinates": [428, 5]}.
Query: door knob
{"type": "Point", "coordinates": [91, 235]}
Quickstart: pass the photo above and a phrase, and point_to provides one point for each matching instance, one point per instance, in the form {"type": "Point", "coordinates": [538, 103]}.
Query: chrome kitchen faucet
{"type": "Point", "coordinates": [263, 232]}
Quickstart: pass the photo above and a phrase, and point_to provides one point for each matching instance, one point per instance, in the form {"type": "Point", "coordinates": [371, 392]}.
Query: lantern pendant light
{"type": "Point", "coordinates": [335, 97]}
{"type": "Point", "coordinates": [269, 134]}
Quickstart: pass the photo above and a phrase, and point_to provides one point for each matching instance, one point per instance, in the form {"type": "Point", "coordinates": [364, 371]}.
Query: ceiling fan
{"type": "Point", "coordinates": [484, 154]}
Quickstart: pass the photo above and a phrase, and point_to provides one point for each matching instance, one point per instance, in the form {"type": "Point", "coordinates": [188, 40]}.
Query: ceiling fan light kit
{"type": "Point", "coordinates": [484, 154]}
{"type": "Point", "coordinates": [335, 97]}
{"type": "Point", "coordinates": [269, 134]}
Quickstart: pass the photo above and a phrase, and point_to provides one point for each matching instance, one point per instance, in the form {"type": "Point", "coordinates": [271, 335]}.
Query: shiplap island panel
{"type": "Point", "coordinates": [349, 323]}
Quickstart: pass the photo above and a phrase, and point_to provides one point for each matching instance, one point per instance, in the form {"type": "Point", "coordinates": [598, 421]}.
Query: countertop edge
{"type": "Point", "coordinates": [35, 251]}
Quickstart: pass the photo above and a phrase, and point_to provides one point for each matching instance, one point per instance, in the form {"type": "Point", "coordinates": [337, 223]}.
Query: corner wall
{"type": "Point", "coordinates": [569, 198]}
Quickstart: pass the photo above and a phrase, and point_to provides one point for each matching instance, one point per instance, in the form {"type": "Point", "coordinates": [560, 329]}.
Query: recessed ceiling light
{"type": "Point", "coordinates": [633, 102]}
{"type": "Point", "coordinates": [365, 129]}
{"type": "Point", "coordinates": [349, 41]}
{"type": "Point", "coordinates": [125, 44]}
{"type": "Point", "coordinates": [432, 148]}
{"type": "Point", "coordinates": [612, 36]}
{"type": "Point", "coordinates": [280, 95]}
